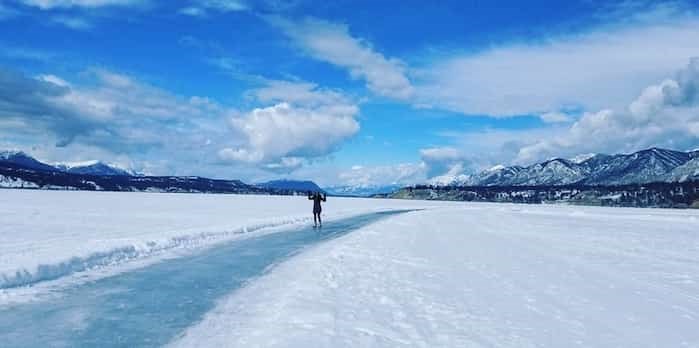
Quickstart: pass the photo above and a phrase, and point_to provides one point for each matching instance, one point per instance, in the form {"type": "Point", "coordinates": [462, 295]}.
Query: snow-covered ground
{"type": "Point", "coordinates": [46, 235]}
{"type": "Point", "coordinates": [480, 275]}
{"type": "Point", "coordinates": [451, 275]}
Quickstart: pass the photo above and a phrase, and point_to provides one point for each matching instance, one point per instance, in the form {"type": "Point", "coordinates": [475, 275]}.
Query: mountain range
{"type": "Point", "coordinates": [94, 168]}
{"type": "Point", "coordinates": [19, 170]}
{"type": "Point", "coordinates": [295, 185]}
{"type": "Point", "coordinates": [360, 190]}
{"type": "Point", "coordinates": [87, 167]}
{"type": "Point", "coordinates": [646, 166]}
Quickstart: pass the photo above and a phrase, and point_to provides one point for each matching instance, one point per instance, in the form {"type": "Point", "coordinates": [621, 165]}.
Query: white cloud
{"type": "Point", "coordinates": [332, 43]}
{"type": "Point", "coordinates": [201, 8]}
{"type": "Point", "coordinates": [109, 114]}
{"type": "Point", "coordinates": [54, 79]}
{"type": "Point", "coordinates": [224, 5]}
{"type": "Point", "coordinates": [441, 154]}
{"type": "Point", "coordinates": [665, 114]}
{"type": "Point", "coordinates": [285, 164]}
{"type": "Point", "coordinates": [445, 163]}
{"type": "Point", "coordinates": [50, 4]}
{"type": "Point", "coordinates": [277, 135]}
{"type": "Point", "coordinates": [113, 114]}
{"type": "Point", "coordinates": [299, 93]}
{"type": "Point", "coordinates": [592, 70]}
{"type": "Point", "coordinates": [555, 117]}
{"type": "Point", "coordinates": [437, 164]}
{"type": "Point", "coordinates": [373, 176]}
{"type": "Point", "coordinates": [303, 122]}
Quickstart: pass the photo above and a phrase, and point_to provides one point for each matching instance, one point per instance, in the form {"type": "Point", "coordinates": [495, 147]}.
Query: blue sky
{"type": "Point", "coordinates": [344, 92]}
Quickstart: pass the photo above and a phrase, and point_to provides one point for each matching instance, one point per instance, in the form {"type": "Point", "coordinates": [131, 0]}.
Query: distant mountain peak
{"type": "Point", "coordinates": [77, 164]}
{"type": "Point", "coordinates": [94, 167]}
{"type": "Point", "coordinates": [582, 157]}
{"type": "Point", "coordinates": [361, 190]}
{"type": "Point", "coordinates": [7, 154]}
{"type": "Point", "coordinates": [291, 185]}
{"type": "Point", "coordinates": [21, 158]}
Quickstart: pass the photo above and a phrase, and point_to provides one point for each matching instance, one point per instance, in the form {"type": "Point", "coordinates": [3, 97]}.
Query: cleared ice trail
{"type": "Point", "coordinates": [150, 306]}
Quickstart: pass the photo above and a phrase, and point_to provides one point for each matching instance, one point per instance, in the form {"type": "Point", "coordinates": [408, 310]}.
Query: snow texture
{"type": "Point", "coordinates": [479, 275]}
{"type": "Point", "coordinates": [46, 235]}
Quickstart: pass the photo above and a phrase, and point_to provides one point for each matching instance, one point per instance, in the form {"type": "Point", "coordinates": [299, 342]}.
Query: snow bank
{"type": "Point", "coordinates": [11, 182]}
{"type": "Point", "coordinates": [485, 275]}
{"type": "Point", "coordinates": [45, 235]}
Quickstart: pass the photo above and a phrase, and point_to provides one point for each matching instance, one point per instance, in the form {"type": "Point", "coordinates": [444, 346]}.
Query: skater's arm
{"type": "Point", "coordinates": [325, 197]}
{"type": "Point", "coordinates": [310, 197]}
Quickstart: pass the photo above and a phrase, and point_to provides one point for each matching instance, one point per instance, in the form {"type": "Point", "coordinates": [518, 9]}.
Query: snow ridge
{"type": "Point", "coordinates": [126, 253]}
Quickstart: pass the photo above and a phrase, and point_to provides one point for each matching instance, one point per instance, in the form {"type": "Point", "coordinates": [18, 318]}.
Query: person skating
{"type": "Point", "coordinates": [317, 197]}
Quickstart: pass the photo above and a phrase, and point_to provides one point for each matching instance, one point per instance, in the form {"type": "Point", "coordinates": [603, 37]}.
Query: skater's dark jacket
{"type": "Point", "coordinates": [317, 198]}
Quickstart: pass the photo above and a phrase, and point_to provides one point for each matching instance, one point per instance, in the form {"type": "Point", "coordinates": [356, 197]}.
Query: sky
{"type": "Point", "coordinates": [358, 93]}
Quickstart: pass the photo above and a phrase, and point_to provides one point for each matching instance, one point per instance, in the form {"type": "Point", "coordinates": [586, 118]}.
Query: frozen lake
{"type": "Point", "coordinates": [133, 269]}
{"type": "Point", "coordinates": [149, 306]}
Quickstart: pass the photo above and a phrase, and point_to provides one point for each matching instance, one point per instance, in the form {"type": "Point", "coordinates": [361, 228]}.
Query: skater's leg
{"type": "Point", "coordinates": [319, 221]}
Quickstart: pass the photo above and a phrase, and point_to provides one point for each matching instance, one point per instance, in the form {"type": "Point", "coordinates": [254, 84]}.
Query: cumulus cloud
{"type": "Point", "coordinates": [664, 114]}
{"type": "Point", "coordinates": [591, 70]}
{"type": "Point", "coordinates": [114, 112]}
{"type": "Point", "coordinates": [441, 161]}
{"type": "Point", "coordinates": [302, 121]}
{"type": "Point", "coordinates": [50, 4]}
{"type": "Point", "coordinates": [445, 164]}
{"type": "Point", "coordinates": [278, 135]}
{"type": "Point", "coordinates": [333, 43]}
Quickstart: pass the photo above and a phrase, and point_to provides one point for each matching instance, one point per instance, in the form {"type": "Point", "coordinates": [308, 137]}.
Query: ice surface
{"type": "Point", "coordinates": [148, 306]}
{"type": "Point", "coordinates": [46, 235]}
{"type": "Point", "coordinates": [484, 275]}
{"type": "Point", "coordinates": [452, 275]}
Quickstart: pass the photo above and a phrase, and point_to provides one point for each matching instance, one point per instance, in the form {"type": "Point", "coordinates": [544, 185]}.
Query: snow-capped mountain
{"type": "Point", "coordinates": [292, 185]}
{"type": "Point", "coordinates": [552, 172]}
{"type": "Point", "coordinates": [639, 167]}
{"type": "Point", "coordinates": [686, 172]}
{"type": "Point", "coordinates": [651, 165]}
{"type": "Point", "coordinates": [582, 157]}
{"type": "Point", "coordinates": [448, 179]}
{"type": "Point", "coordinates": [19, 170]}
{"type": "Point", "coordinates": [93, 168]}
{"type": "Point", "coordinates": [87, 167]}
{"type": "Point", "coordinates": [22, 159]}
{"type": "Point", "coordinates": [494, 176]}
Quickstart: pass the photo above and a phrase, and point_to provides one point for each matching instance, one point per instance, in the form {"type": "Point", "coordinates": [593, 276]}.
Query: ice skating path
{"type": "Point", "coordinates": [149, 306]}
